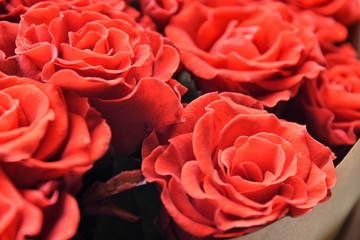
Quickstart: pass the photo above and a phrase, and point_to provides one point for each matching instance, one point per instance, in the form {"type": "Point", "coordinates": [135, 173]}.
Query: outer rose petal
{"type": "Point", "coordinates": [16, 211]}
{"type": "Point", "coordinates": [9, 62]}
{"type": "Point", "coordinates": [333, 121]}
{"type": "Point", "coordinates": [139, 113]}
{"type": "Point", "coordinates": [71, 80]}
{"type": "Point", "coordinates": [48, 140]}
{"type": "Point", "coordinates": [345, 11]}
{"type": "Point", "coordinates": [320, 25]}
{"type": "Point", "coordinates": [349, 13]}
{"type": "Point", "coordinates": [7, 38]}
{"type": "Point", "coordinates": [324, 131]}
{"type": "Point", "coordinates": [197, 109]}
{"type": "Point", "coordinates": [160, 11]}
{"type": "Point", "coordinates": [99, 131]}
{"type": "Point", "coordinates": [61, 219]}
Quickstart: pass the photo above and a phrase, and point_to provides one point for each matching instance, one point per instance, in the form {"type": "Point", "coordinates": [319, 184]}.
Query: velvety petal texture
{"type": "Point", "coordinates": [98, 50]}
{"type": "Point", "coordinates": [48, 140]}
{"type": "Point", "coordinates": [258, 49]}
{"type": "Point", "coordinates": [230, 167]}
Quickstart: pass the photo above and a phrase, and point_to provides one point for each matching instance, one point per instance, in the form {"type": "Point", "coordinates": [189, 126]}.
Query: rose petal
{"type": "Point", "coordinates": [144, 113]}
{"type": "Point", "coordinates": [16, 211]}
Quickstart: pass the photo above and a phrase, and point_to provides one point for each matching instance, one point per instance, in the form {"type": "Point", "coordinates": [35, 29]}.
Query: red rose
{"type": "Point", "coordinates": [104, 54]}
{"type": "Point", "coordinates": [332, 103]}
{"type": "Point", "coordinates": [255, 48]}
{"type": "Point", "coordinates": [344, 11]}
{"type": "Point", "coordinates": [47, 142]}
{"type": "Point", "coordinates": [229, 168]}
{"type": "Point", "coordinates": [82, 40]}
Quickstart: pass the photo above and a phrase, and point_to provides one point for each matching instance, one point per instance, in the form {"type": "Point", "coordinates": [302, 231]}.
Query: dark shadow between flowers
{"type": "Point", "coordinates": [142, 201]}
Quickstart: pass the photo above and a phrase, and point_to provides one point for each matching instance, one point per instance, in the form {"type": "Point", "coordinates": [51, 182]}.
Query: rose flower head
{"type": "Point", "coordinates": [48, 140]}
{"type": "Point", "coordinates": [230, 168]}
{"type": "Point", "coordinates": [331, 104]}
{"type": "Point", "coordinates": [107, 56]}
{"type": "Point", "coordinates": [255, 48]}
{"type": "Point", "coordinates": [95, 46]}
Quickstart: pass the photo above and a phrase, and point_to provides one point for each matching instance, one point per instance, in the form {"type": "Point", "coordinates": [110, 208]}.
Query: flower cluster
{"type": "Point", "coordinates": [227, 112]}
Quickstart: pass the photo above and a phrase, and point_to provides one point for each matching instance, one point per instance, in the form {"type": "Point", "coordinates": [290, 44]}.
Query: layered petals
{"type": "Point", "coordinates": [332, 120]}
{"type": "Point", "coordinates": [98, 50]}
{"type": "Point", "coordinates": [346, 12]}
{"type": "Point", "coordinates": [230, 167]}
{"type": "Point", "coordinates": [234, 46]}
{"type": "Point", "coordinates": [48, 140]}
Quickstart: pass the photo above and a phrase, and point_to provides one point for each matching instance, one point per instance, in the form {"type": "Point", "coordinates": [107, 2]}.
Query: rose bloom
{"type": "Point", "coordinates": [64, 43]}
{"type": "Point", "coordinates": [13, 64]}
{"type": "Point", "coordinates": [107, 56]}
{"type": "Point", "coordinates": [48, 140]}
{"type": "Point", "coordinates": [345, 11]}
{"type": "Point", "coordinates": [332, 104]}
{"type": "Point", "coordinates": [254, 48]}
{"type": "Point", "coordinates": [230, 168]}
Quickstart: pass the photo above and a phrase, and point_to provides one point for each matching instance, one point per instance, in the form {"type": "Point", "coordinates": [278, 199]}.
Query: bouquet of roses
{"type": "Point", "coordinates": [171, 119]}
